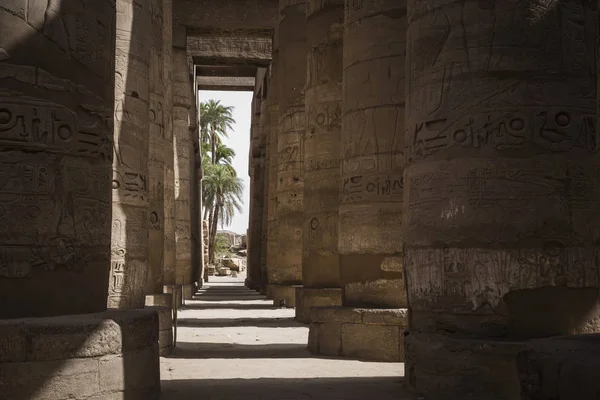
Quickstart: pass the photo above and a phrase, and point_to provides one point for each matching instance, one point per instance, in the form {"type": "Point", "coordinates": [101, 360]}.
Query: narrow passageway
{"type": "Point", "coordinates": [233, 344]}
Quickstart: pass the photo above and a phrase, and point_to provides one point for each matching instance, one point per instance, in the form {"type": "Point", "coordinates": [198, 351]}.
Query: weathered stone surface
{"type": "Point", "coordinates": [370, 214]}
{"type": "Point", "coordinates": [499, 245]}
{"type": "Point", "coordinates": [364, 334]}
{"type": "Point", "coordinates": [80, 356]}
{"type": "Point", "coordinates": [462, 368]}
{"type": "Point", "coordinates": [292, 124]}
{"type": "Point", "coordinates": [560, 368]}
{"type": "Point", "coordinates": [307, 298]}
{"type": "Point", "coordinates": [183, 149]}
{"type": "Point", "coordinates": [56, 130]}
{"type": "Point", "coordinates": [227, 14]}
{"type": "Point", "coordinates": [130, 207]}
{"type": "Point", "coordinates": [323, 99]}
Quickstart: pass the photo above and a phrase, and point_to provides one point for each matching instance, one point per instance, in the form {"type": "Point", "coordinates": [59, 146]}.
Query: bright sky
{"type": "Point", "coordinates": [239, 140]}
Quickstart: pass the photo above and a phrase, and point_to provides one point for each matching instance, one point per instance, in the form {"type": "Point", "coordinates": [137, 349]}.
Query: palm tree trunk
{"type": "Point", "coordinates": [213, 138]}
{"type": "Point", "coordinates": [213, 233]}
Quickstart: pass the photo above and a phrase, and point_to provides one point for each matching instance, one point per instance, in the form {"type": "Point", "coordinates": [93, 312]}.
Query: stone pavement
{"type": "Point", "coordinates": [232, 344]}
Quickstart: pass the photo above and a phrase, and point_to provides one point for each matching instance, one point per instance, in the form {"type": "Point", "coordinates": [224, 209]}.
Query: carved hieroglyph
{"type": "Point", "coordinates": [183, 150]}
{"type": "Point", "coordinates": [130, 216]}
{"type": "Point", "coordinates": [502, 184]}
{"type": "Point", "coordinates": [292, 64]}
{"type": "Point", "coordinates": [370, 216]}
{"type": "Point", "coordinates": [56, 101]}
{"type": "Point", "coordinates": [158, 147]}
{"type": "Point", "coordinates": [169, 172]}
{"type": "Point", "coordinates": [272, 100]}
{"type": "Point", "coordinates": [325, 26]}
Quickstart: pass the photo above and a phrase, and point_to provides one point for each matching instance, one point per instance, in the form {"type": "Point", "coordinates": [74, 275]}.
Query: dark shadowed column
{"type": "Point", "coordinates": [373, 319]}
{"type": "Point", "coordinates": [292, 63]}
{"type": "Point", "coordinates": [501, 196]}
{"type": "Point", "coordinates": [57, 96]}
{"type": "Point", "coordinates": [320, 261]}
{"type": "Point", "coordinates": [182, 101]}
{"type": "Point", "coordinates": [272, 237]}
{"type": "Point", "coordinates": [130, 207]}
{"type": "Point", "coordinates": [158, 147]}
{"type": "Point", "coordinates": [255, 163]}
{"type": "Point", "coordinates": [265, 128]}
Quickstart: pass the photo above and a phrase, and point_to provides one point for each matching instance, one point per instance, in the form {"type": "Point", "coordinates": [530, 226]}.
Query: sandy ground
{"type": "Point", "coordinates": [232, 344]}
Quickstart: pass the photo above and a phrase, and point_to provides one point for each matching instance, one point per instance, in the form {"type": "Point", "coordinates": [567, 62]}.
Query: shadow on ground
{"type": "Point", "coordinates": [239, 351]}
{"type": "Point", "coordinates": [228, 323]}
{"type": "Point", "coordinates": [386, 388]}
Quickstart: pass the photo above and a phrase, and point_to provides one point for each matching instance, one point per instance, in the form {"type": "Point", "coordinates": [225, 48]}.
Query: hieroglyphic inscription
{"type": "Point", "coordinates": [42, 126]}
{"type": "Point", "coordinates": [547, 129]}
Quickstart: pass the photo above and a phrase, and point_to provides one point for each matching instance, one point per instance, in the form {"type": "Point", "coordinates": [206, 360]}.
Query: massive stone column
{"type": "Point", "coordinates": [183, 151]}
{"type": "Point", "coordinates": [169, 171]}
{"type": "Point", "coordinates": [501, 196]}
{"type": "Point", "coordinates": [256, 164]}
{"type": "Point", "coordinates": [370, 214]}
{"type": "Point", "coordinates": [57, 71]}
{"type": "Point", "coordinates": [195, 191]}
{"type": "Point", "coordinates": [130, 207]}
{"type": "Point", "coordinates": [289, 214]}
{"type": "Point", "coordinates": [158, 147]}
{"type": "Point", "coordinates": [323, 99]}
{"type": "Point", "coordinates": [265, 127]}
{"type": "Point", "coordinates": [272, 165]}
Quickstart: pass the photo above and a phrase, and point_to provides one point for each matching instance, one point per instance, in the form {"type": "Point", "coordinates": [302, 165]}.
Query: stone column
{"type": "Point", "coordinates": [169, 172]}
{"type": "Point", "coordinates": [289, 214]}
{"type": "Point", "coordinates": [183, 151]}
{"type": "Point", "coordinates": [272, 239]}
{"type": "Point", "coordinates": [320, 261]}
{"type": "Point", "coordinates": [256, 162]}
{"type": "Point", "coordinates": [195, 190]}
{"type": "Point", "coordinates": [370, 214]}
{"type": "Point", "coordinates": [158, 148]}
{"type": "Point", "coordinates": [57, 71]}
{"type": "Point", "coordinates": [265, 127]}
{"type": "Point", "coordinates": [130, 207]}
{"type": "Point", "coordinates": [501, 203]}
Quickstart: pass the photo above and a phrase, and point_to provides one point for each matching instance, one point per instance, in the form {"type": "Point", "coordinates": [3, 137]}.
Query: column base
{"type": "Point", "coordinates": [451, 368]}
{"type": "Point", "coordinates": [561, 368]}
{"type": "Point", "coordinates": [163, 305]}
{"type": "Point", "coordinates": [358, 333]}
{"type": "Point", "coordinates": [262, 289]}
{"type": "Point", "coordinates": [188, 291]}
{"type": "Point", "coordinates": [306, 298]}
{"type": "Point", "coordinates": [282, 293]}
{"type": "Point", "coordinates": [90, 356]}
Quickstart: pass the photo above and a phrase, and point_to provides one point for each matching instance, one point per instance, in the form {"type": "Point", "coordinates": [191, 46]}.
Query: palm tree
{"type": "Point", "coordinates": [223, 190]}
{"type": "Point", "coordinates": [215, 120]}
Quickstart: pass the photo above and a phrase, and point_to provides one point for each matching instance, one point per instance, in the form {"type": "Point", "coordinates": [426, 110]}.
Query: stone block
{"type": "Point", "coordinates": [337, 315]}
{"type": "Point", "coordinates": [110, 355]}
{"type": "Point", "coordinates": [372, 342]}
{"type": "Point", "coordinates": [188, 292]}
{"type": "Point", "coordinates": [285, 292]}
{"type": "Point", "coordinates": [397, 317]}
{"type": "Point", "coordinates": [453, 368]}
{"type": "Point", "coordinates": [560, 368]}
{"type": "Point", "coordinates": [307, 298]}
{"type": "Point", "coordinates": [313, 337]}
{"type": "Point", "coordinates": [160, 300]}
{"type": "Point", "coordinates": [330, 340]}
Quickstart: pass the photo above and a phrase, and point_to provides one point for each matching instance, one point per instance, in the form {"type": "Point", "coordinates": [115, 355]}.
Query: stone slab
{"type": "Point", "coordinates": [560, 368]}
{"type": "Point", "coordinates": [107, 355]}
{"type": "Point", "coordinates": [358, 333]}
{"type": "Point", "coordinates": [160, 300]}
{"type": "Point", "coordinates": [453, 368]}
{"type": "Point", "coordinates": [307, 298]}
{"type": "Point", "coordinates": [282, 292]}
{"type": "Point", "coordinates": [188, 292]}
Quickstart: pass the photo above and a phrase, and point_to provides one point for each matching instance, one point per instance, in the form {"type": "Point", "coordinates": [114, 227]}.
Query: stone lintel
{"type": "Point", "coordinates": [226, 14]}
{"type": "Point", "coordinates": [226, 48]}
{"type": "Point", "coordinates": [238, 71]}
{"type": "Point", "coordinates": [103, 355]}
{"type": "Point", "coordinates": [225, 83]}
{"type": "Point", "coordinates": [560, 368]}
{"type": "Point", "coordinates": [363, 334]}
